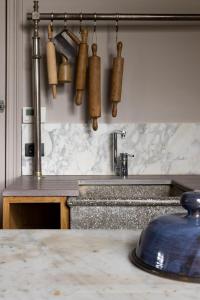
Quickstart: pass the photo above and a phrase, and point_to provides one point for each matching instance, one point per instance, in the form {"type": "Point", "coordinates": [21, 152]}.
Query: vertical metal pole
{"type": "Point", "coordinates": [36, 92]}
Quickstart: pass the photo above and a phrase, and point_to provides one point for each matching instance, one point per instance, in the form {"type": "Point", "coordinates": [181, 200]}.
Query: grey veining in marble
{"type": "Point", "coordinates": [79, 265]}
{"type": "Point", "coordinates": [159, 148]}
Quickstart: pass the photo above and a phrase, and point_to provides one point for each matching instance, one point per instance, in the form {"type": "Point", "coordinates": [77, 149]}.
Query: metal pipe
{"type": "Point", "coordinates": [36, 94]}
{"type": "Point", "coordinates": [114, 16]}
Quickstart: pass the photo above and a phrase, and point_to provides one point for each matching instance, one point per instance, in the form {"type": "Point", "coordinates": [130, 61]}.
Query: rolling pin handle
{"type": "Point", "coordinates": [114, 109]}
{"type": "Point", "coordinates": [119, 49]}
{"type": "Point", "coordinates": [73, 37]}
{"type": "Point", "coordinates": [94, 49]}
{"type": "Point", "coordinates": [53, 87]}
{"type": "Point", "coordinates": [50, 33]}
{"type": "Point", "coordinates": [64, 59]}
{"type": "Point", "coordinates": [94, 123]}
{"type": "Point", "coordinates": [78, 97]}
{"type": "Point", "coordinates": [84, 35]}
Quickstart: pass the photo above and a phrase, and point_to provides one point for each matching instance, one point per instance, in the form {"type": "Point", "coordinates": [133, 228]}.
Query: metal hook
{"type": "Point", "coordinates": [95, 22]}
{"type": "Point", "coordinates": [81, 19]}
{"type": "Point", "coordinates": [95, 28]}
{"type": "Point", "coordinates": [65, 21]}
{"type": "Point", "coordinates": [117, 26]}
{"type": "Point", "coordinates": [52, 19]}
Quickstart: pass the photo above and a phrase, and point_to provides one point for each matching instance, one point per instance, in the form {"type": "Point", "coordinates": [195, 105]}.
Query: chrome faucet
{"type": "Point", "coordinates": [120, 163]}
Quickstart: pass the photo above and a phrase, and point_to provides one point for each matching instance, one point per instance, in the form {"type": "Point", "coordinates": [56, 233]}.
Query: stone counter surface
{"type": "Point", "coordinates": [79, 265]}
{"type": "Point", "coordinates": [69, 185]}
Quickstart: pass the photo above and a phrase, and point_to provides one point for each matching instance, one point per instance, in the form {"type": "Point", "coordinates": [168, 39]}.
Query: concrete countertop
{"type": "Point", "coordinates": [69, 185]}
{"type": "Point", "coordinates": [30, 186]}
{"type": "Point", "coordinates": [90, 264]}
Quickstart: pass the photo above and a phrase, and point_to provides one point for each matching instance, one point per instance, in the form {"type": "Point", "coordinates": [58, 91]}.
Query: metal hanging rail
{"type": "Point", "coordinates": [112, 16]}
{"type": "Point", "coordinates": [36, 17]}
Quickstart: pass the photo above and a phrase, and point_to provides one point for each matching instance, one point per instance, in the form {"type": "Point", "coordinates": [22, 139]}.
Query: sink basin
{"type": "Point", "coordinates": [123, 204]}
{"type": "Point", "coordinates": [147, 191]}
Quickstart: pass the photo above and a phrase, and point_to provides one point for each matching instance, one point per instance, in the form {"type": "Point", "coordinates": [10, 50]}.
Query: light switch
{"type": "Point", "coordinates": [28, 115]}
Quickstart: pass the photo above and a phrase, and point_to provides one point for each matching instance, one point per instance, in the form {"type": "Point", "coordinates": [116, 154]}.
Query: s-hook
{"type": "Point", "coordinates": [65, 21]}
{"type": "Point", "coordinates": [95, 29]}
{"type": "Point", "coordinates": [51, 25]}
{"type": "Point", "coordinates": [117, 27]}
{"type": "Point", "coordinates": [81, 20]}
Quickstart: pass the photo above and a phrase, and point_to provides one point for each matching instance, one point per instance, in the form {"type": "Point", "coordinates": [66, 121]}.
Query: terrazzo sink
{"type": "Point", "coordinates": [123, 204]}
{"type": "Point", "coordinates": [130, 192]}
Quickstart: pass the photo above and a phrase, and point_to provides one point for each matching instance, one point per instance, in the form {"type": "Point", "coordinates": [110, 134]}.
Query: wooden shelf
{"type": "Point", "coordinates": [35, 213]}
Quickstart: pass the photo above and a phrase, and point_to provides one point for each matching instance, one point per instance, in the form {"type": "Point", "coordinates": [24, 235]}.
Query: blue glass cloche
{"type": "Point", "coordinates": [170, 245]}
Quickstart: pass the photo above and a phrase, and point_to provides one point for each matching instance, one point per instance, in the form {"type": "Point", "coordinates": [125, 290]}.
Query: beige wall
{"type": "Point", "coordinates": [2, 95]}
{"type": "Point", "coordinates": [162, 64]}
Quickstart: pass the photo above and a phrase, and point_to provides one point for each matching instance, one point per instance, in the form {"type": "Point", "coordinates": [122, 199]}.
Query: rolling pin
{"type": "Point", "coordinates": [64, 71]}
{"type": "Point", "coordinates": [81, 63]}
{"type": "Point", "coordinates": [51, 62]}
{"type": "Point", "coordinates": [94, 87]}
{"type": "Point", "coordinates": [116, 79]}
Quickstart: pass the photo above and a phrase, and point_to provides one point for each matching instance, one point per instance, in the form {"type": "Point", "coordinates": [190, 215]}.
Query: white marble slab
{"type": "Point", "coordinates": [79, 265]}
{"type": "Point", "coordinates": [159, 148]}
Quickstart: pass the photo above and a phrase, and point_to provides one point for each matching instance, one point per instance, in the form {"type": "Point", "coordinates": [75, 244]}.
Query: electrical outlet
{"type": "Point", "coordinates": [29, 150]}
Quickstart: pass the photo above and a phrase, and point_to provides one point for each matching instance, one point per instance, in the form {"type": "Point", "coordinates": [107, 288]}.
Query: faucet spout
{"type": "Point", "coordinates": [120, 164]}
{"type": "Point", "coordinates": [121, 132]}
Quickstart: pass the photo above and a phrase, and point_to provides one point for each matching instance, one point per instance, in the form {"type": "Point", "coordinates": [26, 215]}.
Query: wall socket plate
{"type": "Point", "coordinates": [29, 150]}
{"type": "Point", "coordinates": [28, 113]}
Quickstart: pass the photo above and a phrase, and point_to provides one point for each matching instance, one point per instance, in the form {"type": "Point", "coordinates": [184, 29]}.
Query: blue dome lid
{"type": "Point", "coordinates": [170, 245]}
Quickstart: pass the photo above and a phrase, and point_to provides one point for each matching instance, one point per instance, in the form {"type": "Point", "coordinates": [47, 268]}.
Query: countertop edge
{"type": "Point", "coordinates": [68, 186]}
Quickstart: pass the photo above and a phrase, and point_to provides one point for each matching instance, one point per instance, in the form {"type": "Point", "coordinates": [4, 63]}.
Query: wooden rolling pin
{"type": "Point", "coordinates": [64, 71]}
{"type": "Point", "coordinates": [51, 62]}
{"type": "Point", "coordinates": [94, 87]}
{"type": "Point", "coordinates": [116, 79]}
{"type": "Point", "coordinates": [82, 61]}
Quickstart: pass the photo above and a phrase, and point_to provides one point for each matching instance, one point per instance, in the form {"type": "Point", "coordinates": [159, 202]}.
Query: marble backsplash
{"type": "Point", "coordinates": [159, 148]}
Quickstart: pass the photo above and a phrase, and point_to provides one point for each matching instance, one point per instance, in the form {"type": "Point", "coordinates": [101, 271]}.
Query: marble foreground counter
{"type": "Point", "coordinates": [78, 264]}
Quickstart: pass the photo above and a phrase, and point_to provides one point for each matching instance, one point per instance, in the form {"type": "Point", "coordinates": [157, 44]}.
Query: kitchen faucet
{"type": "Point", "coordinates": [120, 163]}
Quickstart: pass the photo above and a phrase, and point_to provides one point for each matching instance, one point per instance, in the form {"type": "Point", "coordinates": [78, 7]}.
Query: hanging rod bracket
{"type": "Point", "coordinates": [35, 15]}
